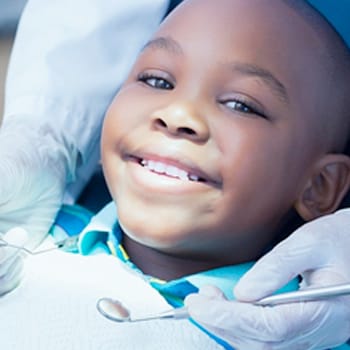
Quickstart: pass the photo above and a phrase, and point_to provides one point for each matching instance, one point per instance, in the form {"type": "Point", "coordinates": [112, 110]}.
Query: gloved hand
{"type": "Point", "coordinates": [11, 263]}
{"type": "Point", "coordinates": [34, 166]}
{"type": "Point", "coordinates": [319, 252]}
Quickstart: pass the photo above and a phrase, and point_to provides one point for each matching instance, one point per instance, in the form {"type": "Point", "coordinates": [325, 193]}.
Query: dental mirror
{"type": "Point", "coordinates": [115, 311]}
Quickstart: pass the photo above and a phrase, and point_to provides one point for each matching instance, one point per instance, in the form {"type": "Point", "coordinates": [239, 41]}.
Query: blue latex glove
{"type": "Point", "coordinates": [319, 252]}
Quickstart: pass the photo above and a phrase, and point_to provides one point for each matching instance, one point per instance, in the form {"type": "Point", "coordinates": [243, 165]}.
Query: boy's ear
{"type": "Point", "coordinates": [328, 184]}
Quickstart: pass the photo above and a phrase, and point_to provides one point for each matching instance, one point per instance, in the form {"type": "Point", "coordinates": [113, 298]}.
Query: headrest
{"type": "Point", "coordinates": [337, 13]}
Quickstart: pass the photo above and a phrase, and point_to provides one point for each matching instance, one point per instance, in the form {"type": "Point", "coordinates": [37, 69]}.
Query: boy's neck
{"type": "Point", "coordinates": [162, 265]}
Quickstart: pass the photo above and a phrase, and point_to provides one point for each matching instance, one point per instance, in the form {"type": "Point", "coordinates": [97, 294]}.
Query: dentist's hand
{"type": "Point", "coordinates": [11, 260]}
{"type": "Point", "coordinates": [33, 172]}
{"type": "Point", "coordinates": [319, 252]}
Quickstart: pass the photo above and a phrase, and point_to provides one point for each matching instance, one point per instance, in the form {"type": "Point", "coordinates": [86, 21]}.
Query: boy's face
{"type": "Point", "coordinates": [210, 140]}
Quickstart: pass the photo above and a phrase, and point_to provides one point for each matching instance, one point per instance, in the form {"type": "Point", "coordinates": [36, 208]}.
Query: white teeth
{"type": "Point", "coordinates": [159, 167]}
{"type": "Point", "coordinates": [183, 175]}
{"type": "Point", "coordinates": [170, 170]}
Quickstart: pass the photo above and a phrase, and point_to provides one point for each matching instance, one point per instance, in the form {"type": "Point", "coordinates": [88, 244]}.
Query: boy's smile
{"type": "Point", "coordinates": [208, 143]}
{"type": "Point", "coordinates": [160, 167]}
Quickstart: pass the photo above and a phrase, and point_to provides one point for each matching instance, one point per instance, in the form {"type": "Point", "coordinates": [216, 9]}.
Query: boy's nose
{"type": "Point", "coordinates": [181, 121]}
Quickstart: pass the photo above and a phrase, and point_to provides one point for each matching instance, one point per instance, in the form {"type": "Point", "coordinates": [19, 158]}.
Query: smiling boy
{"type": "Point", "coordinates": [222, 130]}
{"type": "Point", "coordinates": [232, 119]}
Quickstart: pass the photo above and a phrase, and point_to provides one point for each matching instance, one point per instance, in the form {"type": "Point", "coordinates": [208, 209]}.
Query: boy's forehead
{"type": "Point", "coordinates": [254, 17]}
{"type": "Point", "coordinates": [261, 28]}
{"type": "Point", "coordinates": [219, 9]}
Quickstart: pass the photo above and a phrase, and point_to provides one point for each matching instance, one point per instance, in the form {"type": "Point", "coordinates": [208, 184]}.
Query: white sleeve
{"type": "Point", "coordinates": [69, 59]}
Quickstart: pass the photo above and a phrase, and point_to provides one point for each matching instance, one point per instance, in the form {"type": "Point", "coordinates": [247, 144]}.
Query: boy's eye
{"type": "Point", "coordinates": [243, 107]}
{"type": "Point", "coordinates": [155, 82]}
{"type": "Point", "coordinates": [239, 106]}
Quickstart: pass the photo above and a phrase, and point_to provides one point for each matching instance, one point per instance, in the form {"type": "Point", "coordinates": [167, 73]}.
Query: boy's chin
{"type": "Point", "coordinates": [152, 236]}
{"type": "Point", "coordinates": [168, 241]}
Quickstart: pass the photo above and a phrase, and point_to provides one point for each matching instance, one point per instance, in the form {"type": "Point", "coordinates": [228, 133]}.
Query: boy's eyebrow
{"type": "Point", "coordinates": [265, 75]}
{"type": "Point", "coordinates": [166, 43]}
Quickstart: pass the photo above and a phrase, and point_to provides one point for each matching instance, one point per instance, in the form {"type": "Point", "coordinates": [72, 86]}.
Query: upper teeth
{"type": "Point", "coordinates": [170, 170]}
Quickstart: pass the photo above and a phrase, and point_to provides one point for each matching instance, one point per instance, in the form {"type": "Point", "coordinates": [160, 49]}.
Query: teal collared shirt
{"type": "Point", "coordinates": [102, 234]}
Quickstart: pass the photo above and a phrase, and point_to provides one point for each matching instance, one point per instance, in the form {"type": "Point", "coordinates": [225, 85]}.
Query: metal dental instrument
{"type": "Point", "coordinates": [311, 294]}
{"type": "Point", "coordinates": [114, 310]}
{"type": "Point", "coordinates": [69, 244]}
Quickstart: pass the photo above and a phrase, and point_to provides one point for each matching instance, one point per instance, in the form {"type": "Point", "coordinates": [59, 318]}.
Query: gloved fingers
{"type": "Point", "coordinates": [197, 301]}
{"type": "Point", "coordinates": [211, 292]}
{"type": "Point", "coordinates": [248, 321]}
{"type": "Point", "coordinates": [298, 253]}
{"type": "Point", "coordinates": [35, 219]}
{"type": "Point", "coordinates": [34, 173]}
{"type": "Point", "coordinates": [226, 317]}
{"type": "Point", "coordinates": [310, 325]}
{"type": "Point", "coordinates": [23, 163]}
{"type": "Point", "coordinates": [16, 236]}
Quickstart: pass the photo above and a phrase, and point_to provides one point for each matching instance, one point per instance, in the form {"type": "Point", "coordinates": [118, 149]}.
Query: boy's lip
{"type": "Point", "coordinates": [173, 165]}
